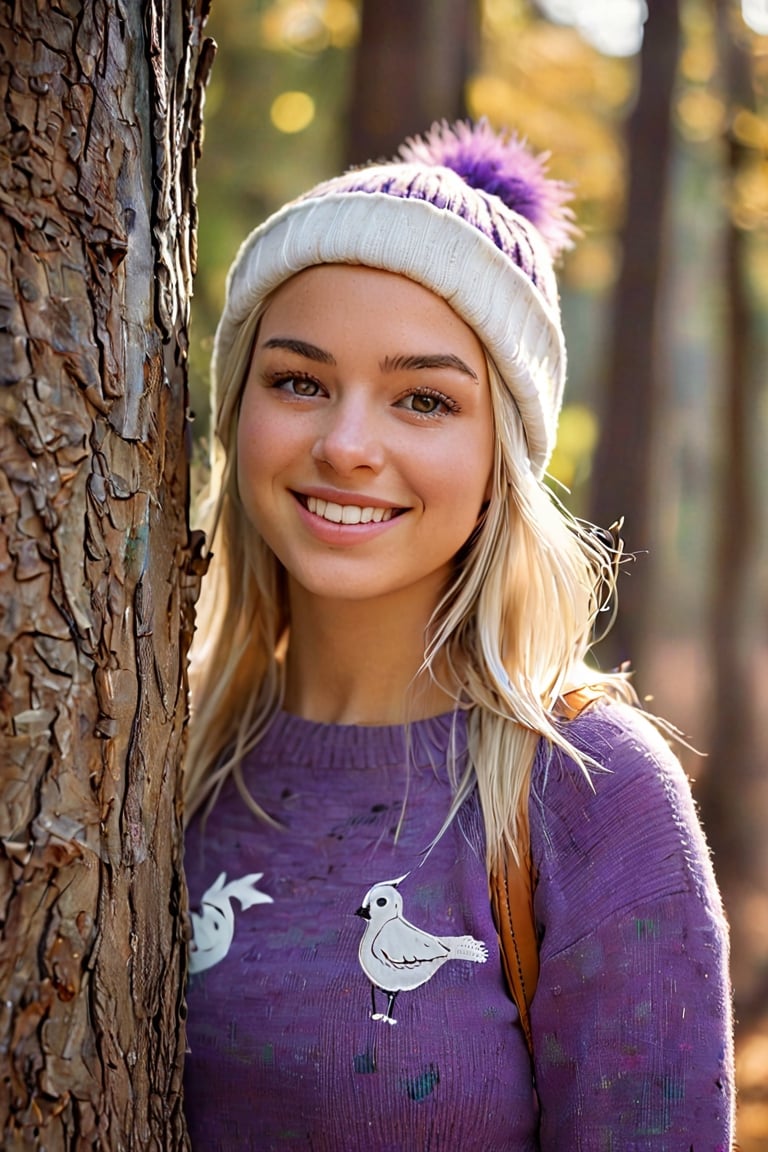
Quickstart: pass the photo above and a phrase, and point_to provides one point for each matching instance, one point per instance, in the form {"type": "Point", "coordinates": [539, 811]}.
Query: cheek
{"type": "Point", "coordinates": [460, 487]}
{"type": "Point", "coordinates": [488, 458]}
{"type": "Point", "coordinates": [470, 470]}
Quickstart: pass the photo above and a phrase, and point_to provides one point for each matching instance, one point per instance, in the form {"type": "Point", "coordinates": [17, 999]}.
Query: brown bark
{"type": "Point", "coordinates": [99, 137]}
{"type": "Point", "coordinates": [622, 473]}
{"type": "Point", "coordinates": [410, 69]}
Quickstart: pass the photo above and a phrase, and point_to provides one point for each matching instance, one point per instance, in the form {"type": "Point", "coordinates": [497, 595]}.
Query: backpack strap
{"type": "Point", "coordinates": [512, 885]}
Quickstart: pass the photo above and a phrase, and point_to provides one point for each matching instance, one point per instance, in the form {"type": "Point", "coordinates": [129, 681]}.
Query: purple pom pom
{"type": "Point", "coordinates": [503, 166]}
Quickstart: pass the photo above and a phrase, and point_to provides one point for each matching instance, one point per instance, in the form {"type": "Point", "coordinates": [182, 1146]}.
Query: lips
{"type": "Point", "coordinates": [347, 513]}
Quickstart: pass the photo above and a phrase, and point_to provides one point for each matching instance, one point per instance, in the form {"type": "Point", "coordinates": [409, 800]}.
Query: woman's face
{"type": "Point", "coordinates": [365, 436]}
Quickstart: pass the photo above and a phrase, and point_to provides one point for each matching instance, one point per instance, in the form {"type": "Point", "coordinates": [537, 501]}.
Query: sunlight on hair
{"type": "Point", "coordinates": [614, 27]}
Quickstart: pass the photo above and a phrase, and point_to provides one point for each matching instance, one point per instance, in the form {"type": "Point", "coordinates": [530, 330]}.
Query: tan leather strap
{"type": "Point", "coordinates": [512, 885]}
{"type": "Point", "coordinates": [570, 705]}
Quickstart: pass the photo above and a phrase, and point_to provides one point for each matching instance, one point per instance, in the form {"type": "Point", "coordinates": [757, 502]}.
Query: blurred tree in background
{"type": "Point", "coordinates": [662, 130]}
{"type": "Point", "coordinates": [734, 801]}
{"type": "Point", "coordinates": [633, 384]}
{"type": "Point", "coordinates": [411, 66]}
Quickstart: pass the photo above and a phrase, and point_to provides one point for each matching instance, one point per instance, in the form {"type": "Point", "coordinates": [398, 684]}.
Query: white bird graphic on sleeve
{"type": "Point", "coordinates": [397, 956]}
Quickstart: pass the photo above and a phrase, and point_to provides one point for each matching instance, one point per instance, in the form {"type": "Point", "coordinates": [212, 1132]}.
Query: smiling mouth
{"type": "Point", "coordinates": [347, 513]}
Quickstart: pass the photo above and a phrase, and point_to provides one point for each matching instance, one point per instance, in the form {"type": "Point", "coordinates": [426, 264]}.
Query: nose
{"type": "Point", "coordinates": [350, 436]}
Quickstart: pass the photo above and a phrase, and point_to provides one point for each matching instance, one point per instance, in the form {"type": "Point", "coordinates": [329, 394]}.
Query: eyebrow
{"type": "Point", "coordinates": [409, 363]}
{"type": "Point", "coordinates": [301, 348]}
{"type": "Point", "coordinates": [388, 364]}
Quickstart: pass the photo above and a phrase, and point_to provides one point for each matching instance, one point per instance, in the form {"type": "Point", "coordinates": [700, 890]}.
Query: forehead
{"type": "Point", "coordinates": [367, 302]}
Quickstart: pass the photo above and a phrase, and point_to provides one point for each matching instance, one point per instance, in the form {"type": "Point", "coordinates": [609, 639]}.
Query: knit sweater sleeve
{"type": "Point", "coordinates": [631, 1017]}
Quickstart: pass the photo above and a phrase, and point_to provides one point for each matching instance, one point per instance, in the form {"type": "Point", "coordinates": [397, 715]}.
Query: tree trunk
{"type": "Point", "coordinates": [410, 69]}
{"type": "Point", "coordinates": [621, 479]}
{"type": "Point", "coordinates": [100, 107]}
{"type": "Point", "coordinates": [733, 791]}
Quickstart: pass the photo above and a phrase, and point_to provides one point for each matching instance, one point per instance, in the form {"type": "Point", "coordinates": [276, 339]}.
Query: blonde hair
{"type": "Point", "coordinates": [509, 636]}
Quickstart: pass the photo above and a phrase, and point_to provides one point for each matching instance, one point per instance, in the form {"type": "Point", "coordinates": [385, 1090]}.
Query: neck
{"type": "Point", "coordinates": [357, 662]}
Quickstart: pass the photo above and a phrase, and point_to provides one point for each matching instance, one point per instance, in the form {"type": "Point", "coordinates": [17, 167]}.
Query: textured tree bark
{"type": "Point", "coordinates": [100, 105]}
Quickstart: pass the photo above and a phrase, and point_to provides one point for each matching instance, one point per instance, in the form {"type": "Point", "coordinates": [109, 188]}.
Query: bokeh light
{"type": "Point", "coordinates": [310, 27]}
{"type": "Point", "coordinates": [577, 436]}
{"type": "Point", "coordinates": [292, 111]}
{"type": "Point", "coordinates": [755, 13]}
{"type": "Point", "coordinates": [700, 114]}
{"type": "Point", "coordinates": [614, 27]}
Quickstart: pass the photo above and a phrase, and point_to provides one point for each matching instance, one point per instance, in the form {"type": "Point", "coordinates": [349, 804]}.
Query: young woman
{"type": "Point", "coordinates": [392, 700]}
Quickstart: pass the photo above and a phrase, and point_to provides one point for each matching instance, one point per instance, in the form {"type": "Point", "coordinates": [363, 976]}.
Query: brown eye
{"type": "Point", "coordinates": [428, 403]}
{"type": "Point", "coordinates": [298, 385]}
{"type": "Point", "coordinates": [304, 387]}
{"type": "Point", "coordinates": [424, 403]}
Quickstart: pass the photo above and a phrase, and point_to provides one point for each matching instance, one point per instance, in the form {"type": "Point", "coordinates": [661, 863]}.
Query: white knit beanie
{"type": "Point", "coordinates": [465, 212]}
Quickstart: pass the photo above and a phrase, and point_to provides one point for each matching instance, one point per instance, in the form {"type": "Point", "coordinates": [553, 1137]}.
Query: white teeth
{"type": "Point", "coordinates": [347, 513]}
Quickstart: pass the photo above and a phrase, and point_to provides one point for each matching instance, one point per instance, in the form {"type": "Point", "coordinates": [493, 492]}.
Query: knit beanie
{"type": "Point", "coordinates": [467, 213]}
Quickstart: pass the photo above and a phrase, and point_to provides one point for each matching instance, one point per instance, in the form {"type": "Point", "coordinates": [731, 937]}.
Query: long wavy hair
{"type": "Point", "coordinates": [508, 639]}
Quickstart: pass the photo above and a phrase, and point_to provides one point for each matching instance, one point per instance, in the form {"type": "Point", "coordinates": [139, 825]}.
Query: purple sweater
{"type": "Point", "coordinates": [631, 1018]}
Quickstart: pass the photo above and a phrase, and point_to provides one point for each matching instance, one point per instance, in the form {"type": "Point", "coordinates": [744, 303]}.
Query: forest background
{"type": "Point", "coordinates": [660, 123]}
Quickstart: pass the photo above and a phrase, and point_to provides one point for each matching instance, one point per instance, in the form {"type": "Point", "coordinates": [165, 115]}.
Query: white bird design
{"type": "Point", "coordinates": [214, 931]}
{"type": "Point", "coordinates": [397, 956]}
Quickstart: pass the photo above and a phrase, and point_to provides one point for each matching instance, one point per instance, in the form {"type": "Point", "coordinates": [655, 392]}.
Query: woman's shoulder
{"type": "Point", "coordinates": [621, 747]}
{"type": "Point", "coordinates": [628, 814]}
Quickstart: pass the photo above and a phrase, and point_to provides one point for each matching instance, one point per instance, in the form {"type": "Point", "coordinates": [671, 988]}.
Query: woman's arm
{"type": "Point", "coordinates": [631, 1018]}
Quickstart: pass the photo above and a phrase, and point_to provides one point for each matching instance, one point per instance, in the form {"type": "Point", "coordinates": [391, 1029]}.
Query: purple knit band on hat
{"type": "Point", "coordinates": [441, 187]}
